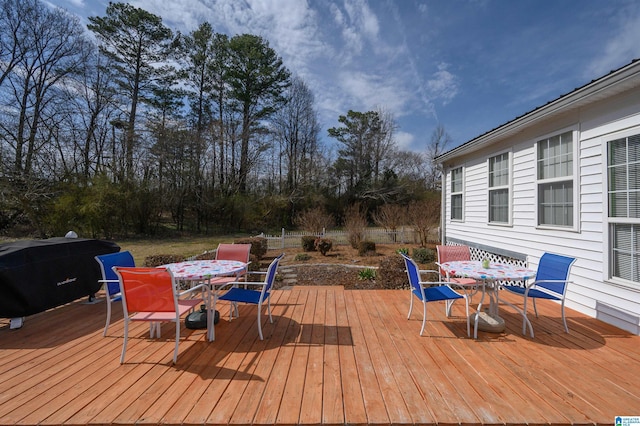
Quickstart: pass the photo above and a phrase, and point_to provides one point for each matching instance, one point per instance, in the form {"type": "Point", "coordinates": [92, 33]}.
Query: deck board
{"type": "Point", "coordinates": [331, 357]}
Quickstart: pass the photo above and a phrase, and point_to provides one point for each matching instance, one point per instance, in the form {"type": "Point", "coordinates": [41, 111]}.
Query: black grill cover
{"type": "Point", "coordinates": [42, 274]}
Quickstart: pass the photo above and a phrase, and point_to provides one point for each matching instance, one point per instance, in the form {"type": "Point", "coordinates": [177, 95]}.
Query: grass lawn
{"type": "Point", "coordinates": [185, 246]}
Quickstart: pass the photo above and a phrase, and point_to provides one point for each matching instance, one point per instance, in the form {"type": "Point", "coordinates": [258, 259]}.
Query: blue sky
{"type": "Point", "coordinates": [468, 65]}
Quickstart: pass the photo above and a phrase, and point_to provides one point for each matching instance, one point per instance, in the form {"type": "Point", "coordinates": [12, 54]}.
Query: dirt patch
{"type": "Point", "coordinates": [341, 266]}
{"type": "Point", "coordinates": [341, 255]}
{"type": "Point", "coordinates": [329, 274]}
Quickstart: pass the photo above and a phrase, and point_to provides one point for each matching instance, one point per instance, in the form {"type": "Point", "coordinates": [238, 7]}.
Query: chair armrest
{"type": "Point", "coordinates": [536, 282]}
{"type": "Point", "coordinates": [434, 283]}
{"type": "Point", "coordinates": [551, 281]}
{"type": "Point", "coordinates": [200, 287]}
{"type": "Point", "coordinates": [241, 283]}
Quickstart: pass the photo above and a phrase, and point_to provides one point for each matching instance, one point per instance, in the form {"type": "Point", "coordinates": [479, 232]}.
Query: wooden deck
{"type": "Point", "coordinates": [332, 357]}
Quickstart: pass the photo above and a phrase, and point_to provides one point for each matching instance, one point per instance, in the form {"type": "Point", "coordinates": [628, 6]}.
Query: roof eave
{"type": "Point", "coordinates": [624, 78]}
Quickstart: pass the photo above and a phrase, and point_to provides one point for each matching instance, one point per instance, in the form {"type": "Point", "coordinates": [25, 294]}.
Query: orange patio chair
{"type": "Point", "coordinates": [239, 252]}
{"type": "Point", "coordinates": [151, 295]}
{"type": "Point", "coordinates": [456, 253]}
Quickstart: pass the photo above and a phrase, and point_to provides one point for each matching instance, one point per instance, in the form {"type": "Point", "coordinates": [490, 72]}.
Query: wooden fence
{"type": "Point", "coordinates": [293, 239]}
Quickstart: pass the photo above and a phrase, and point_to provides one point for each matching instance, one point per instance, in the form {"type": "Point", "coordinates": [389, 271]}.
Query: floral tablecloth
{"type": "Point", "coordinates": [495, 271]}
{"type": "Point", "coordinates": [204, 269]}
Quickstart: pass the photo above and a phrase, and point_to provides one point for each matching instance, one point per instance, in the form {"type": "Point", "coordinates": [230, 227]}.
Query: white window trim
{"type": "Point", "coordinates": [456, 193]}
{"type": "Point", "coordinates": [607, 255]}
{"type": "Point", "coordinates": [508, 187]}
{"type": "Point", "coordinates": [574, 178]}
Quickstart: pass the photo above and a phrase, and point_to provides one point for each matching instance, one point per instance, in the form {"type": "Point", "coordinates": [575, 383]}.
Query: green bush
{"type": "Point", "coordinates": [367, 274]}
{"type": "Point", "coordinates": [323, 245]}
{"type": "Point", "coordinates": [423, 255]}
{"type": "Point", "coordinates": [403, 250]}
{"type": "Point", "coordinates": [366, 248]}
{"type": "Point", "coordinates": [309, 243]}
{"type": "Point", "coordinates": [259, 245]}
{"type": "Point", "coordinates": [301, 257]}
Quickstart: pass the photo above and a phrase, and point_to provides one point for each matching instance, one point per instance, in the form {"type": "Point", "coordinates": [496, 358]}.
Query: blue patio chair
{"type": "Point", "coordinates": [110, 278]}
{"type": "Point", "coordinates": [550, 283]}
{"type": "Point", "coordinates": [430, 291]}
{"type": "Point", "coordinates": [255, 297]}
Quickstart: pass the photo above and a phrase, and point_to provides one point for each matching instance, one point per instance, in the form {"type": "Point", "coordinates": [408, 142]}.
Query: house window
{"type": "Point", "coordinates": [555, 180]}
{"type": "Point", "coordinates": [624, 207]}
{"type": "Point", "coordinates": [499, 188]}
{"type": "Point", "coordinates": [456, 193]}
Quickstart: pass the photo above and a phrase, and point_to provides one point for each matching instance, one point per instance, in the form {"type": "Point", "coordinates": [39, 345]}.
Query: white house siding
{"type": "Point", "coordinates": [591, 292]}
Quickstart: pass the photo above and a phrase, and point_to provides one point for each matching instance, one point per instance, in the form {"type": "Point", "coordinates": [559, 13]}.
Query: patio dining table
{"type": "Point", "coordinates": [489, 277]}
{"type": "Point", "coordinates": [203, 271]}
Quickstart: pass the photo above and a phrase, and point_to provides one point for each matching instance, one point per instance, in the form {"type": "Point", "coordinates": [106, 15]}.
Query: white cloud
{"type": "Point", "coordinates": [357, 24]}
{"type": "Point", "coordinates": [363, 19]}
{"type": "Point", "coordinates": [623, 47]}
{"type": "Point", "coordinates": [404, 140]}
{"type": "Point", "coordinates": [443, 85]}
{"type": "Point", "coordinates": [368, 91]}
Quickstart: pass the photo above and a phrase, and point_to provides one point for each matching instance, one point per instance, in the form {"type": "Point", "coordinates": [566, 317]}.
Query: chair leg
{"type": "Point", "coordinates": [260, 322]}
{"type": "Point", "coordinates": [175, 351]}
{"type": "Point", "coordinates": [424, 316]}
{"type": "Point", "coordinates": [410, 305]}
{"type": "Point", "coordinates": [525, 319]}
{"type": "Point", "coordinates": [466, 302]}
{"type": "Point", "coordinates": [106, 325]}
{"type": "Point", "coordinates": [154, 330]}
{"type": "Point", "coordinates": [447, 307]}
{"type": "Point", "coordinates": [564, 319]}
{"type": "Point", "coordinates": [124, 343]}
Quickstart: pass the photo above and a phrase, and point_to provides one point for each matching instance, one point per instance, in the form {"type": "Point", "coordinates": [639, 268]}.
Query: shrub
{"type": "Point", "coordinates": [392, 274]}
{"type": "Point", "coordinates": [314, 220]}
{"type": "Point", "coordinates": [301, 257]}
{"type": "Point", "coordinates": [259, 245]}
{"type": "Point", "coordinates": [403, 250]}
{"type": "Point", "coordinates": [423, 255]}
{"type": "Point", "coordinates": [366, 248]}
{"type": "Point", "coordinates": [323, 245]}
{"type": "Point", "coordinates": [367, 274]}
{"type": "Point", "coordinates": [207, 255]}
{"type": "Point", "coordinates": [390, 217]}
{"type": "Point", "coordinates": [355, 223]}
{"type": "Point", "coordinates": [424, 216]}
{"type": "Point", "coordinates": [254, 263]}
{"type": "Point", "coordinates": [161, 259]}
{"type": "Point", "coordinates": [308, 243]}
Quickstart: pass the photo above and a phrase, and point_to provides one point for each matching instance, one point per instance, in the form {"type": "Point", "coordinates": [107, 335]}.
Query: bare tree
{"type": "Point", "coordinates": [424, 216]}
{"type": "Point", "coordinates": [390, 217]}
{"type": "Point", "coordinates": [355, 222]}
{"type": "Point", "coordinates": [314, 220]}
{"type": "Point", "coordinates": [53, 49]}
{"type": "Point", "coordinates": [296, 128]}
{"type": "Point", "coordinates": [15, 39]}
{"type": "Point", "coordinates": [440, 140]}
